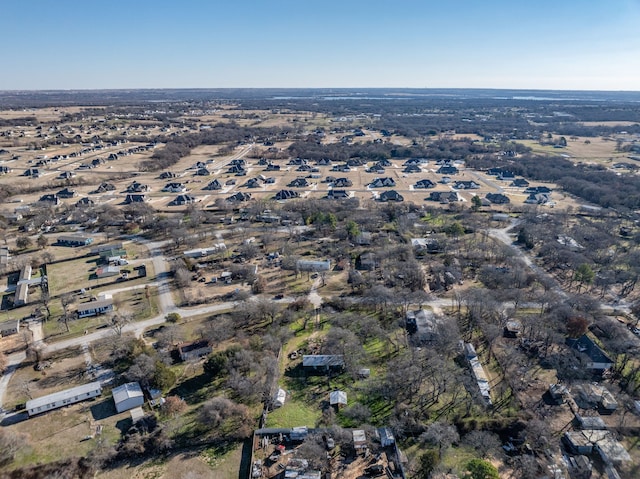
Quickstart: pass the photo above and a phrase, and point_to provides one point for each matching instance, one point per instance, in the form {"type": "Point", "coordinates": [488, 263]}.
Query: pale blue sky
{"type": "Point", "coordinates": [542, 44]}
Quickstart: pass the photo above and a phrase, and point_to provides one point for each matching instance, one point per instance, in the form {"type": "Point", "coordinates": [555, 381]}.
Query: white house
{"type": "Point", "coordinates": [103, 305]}
{"type": "Point", "coordinates": [127, 396]}
{"type": "Point", "coordinates": [63, 398]}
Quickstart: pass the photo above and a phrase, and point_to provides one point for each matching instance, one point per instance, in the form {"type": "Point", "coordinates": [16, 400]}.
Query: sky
{"type": "Point", "coordinates": [126, 44]}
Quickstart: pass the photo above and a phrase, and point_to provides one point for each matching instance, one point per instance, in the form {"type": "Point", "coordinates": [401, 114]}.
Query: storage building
{"type": "Point", "coordinates": [127, 396]}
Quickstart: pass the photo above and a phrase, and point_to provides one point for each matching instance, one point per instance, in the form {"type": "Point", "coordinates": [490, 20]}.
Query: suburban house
{"type": "Point", "coordinates": [239, 196]}
{"type": "Point", "coordinates": [426, 245]}
{"type": "Point", "coordinates": [74, 240]}
{"type": "Point", "coordinates": [466, 185]}
{"type": "Point", "coordinates": [202, 172]}
{"type": "Point", "coordinates": [166, 175]}
{"type": "Point", "coordinates": [103, 305]}
{"type": "Point", "coordinates": [377, 169]}
{"type": "Point", "coordinates": [537, 198]}
{"type": "Point", "coordinates": [135, 198]}
{"type": "Point", "coordinates": [7, 328]}
{"type": "Point", "coordinates": [286, 195]}
{"type": "Point", "coordinates": [597, 361]}
{"type": "Point", "coordinates": [498, 198]}
{"type": "Point", "coordinates": [235, 169]}
{"type": "Point", "coordinates": [337, 194]}
{"type": "Point", "coordinates": [322, 363]}
{"type": "Point", "coordinates": [32, 172]}
{"type": "Point", "coordinates": [50, 198]}
{"type": "Point", "coordinates": [315, 266]}
{"type": "Point", "coordinates": [63, 398]}
{"type": "Point", "coordinates": [127, 396]}
{"type": "Point", "coordinates": [506, 175]}
{"type": "Point", "coordinates": [426, 183]}
{"type": "Point", "coordinates": [342, 183]}
{"type": "Point", "coordinates": [520, 183]}
{"type": "Point", "coordinates": [252, 183]}
{"type": "Point", "coordinates": [298, 183]}
{"type": "Point", "coordinates": [538, 189]}
{"type": "Point", "coordinates": [443, 196]}
{"type": "Point", "coordinates": [382, 183]}
{"type": "Point", "coordinates": [194, 350]}
{"type": "Point", "coordinates": [412, 169]}
{"type": "Point", "coordinates": [213, 185]}
{"type": "Point", "coordinates": [272, 167]}
{"type": "Point", "coordinates": [391, 195]}
{"type": "Point", "coordinates": [85, 201]}
{"type": "Point", "coordinates": [297, 161]}
{"type": "Point", "coordinates": [343, 168]}
{"type": "Point", "coordinates": [447, 170]}
{"type": "Point", "coordinates": [182, 200]}
{"type": "Point", "coordinates": [174, 188]}
{"type": "Point", "coordinates": [137, 187]}
{"type": "Point", "coordinates": [66, 193]}
{"type": "Point", "coordinates": [104, 187]}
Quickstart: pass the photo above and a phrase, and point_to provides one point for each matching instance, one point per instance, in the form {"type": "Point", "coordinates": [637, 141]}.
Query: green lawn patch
{"type": "Point", "coordinates": [294, 413]}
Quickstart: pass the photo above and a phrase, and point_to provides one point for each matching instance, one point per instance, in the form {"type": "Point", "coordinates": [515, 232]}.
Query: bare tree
{"type": "Point", "coordinates": [118, 321]}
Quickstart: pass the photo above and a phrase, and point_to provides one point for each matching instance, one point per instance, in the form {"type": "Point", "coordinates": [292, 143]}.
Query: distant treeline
{"type": "Point", "coordinates": [594, 184]}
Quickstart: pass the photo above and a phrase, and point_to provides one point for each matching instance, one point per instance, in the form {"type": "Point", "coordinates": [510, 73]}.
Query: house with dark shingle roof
{"type": "Point", "coordinates": [391, 195]}
{"type": "Point", "coordinates": [382, 183]}
{"type": "Point", "coordinates": [286, 195]}
{"type": "Point", "coordinates": [498, 198]}
{"type": "Point", "coordinates": [213, 185]}
{"type": "Point", "coordinates": [426, 183]}
{"type": "Point", "coordinates": [239, 196]}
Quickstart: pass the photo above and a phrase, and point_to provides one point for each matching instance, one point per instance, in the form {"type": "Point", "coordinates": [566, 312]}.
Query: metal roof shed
{"type": "Point", "coordinates": [127, 396]}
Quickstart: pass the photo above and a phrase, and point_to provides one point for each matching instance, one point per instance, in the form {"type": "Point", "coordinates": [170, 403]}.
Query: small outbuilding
{"type": "Point", "coordinates": [338, 399]}
{"type": "Point", "coordinates": [281, 397]}
{"type": "Point", "coordinates": [7, 328]}
{"type": "Point", "coordinates": [127, 396]}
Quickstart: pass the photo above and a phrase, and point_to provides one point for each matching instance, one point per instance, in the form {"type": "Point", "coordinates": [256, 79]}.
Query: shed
{"type": "Point", "coordinates": [359, 439]}
{"type": "Point", "coordinates": [127, 396]}
{"type": "Point", "coordinates": [281, 397]}
{"type": "Point", "coordinates": [136, 414]}
{"type": "Point", "coordinates": [323, 362]}
{"type": "Point", "coordinates": [338, 399]}
{"type": "Point", "coordinates": [7, 328]}
{"type": "Point", "coordinates": [386, 437]}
